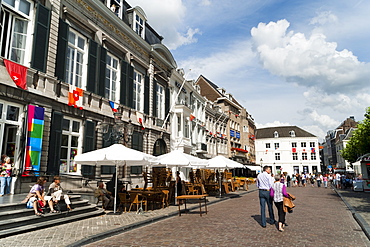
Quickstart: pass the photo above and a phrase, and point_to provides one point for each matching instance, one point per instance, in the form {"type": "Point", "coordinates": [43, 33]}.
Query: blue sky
{"type": "Point", "coordinates": [303, 63]}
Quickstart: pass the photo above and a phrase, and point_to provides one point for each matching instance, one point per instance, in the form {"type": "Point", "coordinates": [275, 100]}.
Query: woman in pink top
{"type": "Point", "coordinates": [325, 180]}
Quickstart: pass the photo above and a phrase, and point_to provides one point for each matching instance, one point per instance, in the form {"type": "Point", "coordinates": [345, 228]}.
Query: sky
{"type": "Point", "coordinates": [296, 62]}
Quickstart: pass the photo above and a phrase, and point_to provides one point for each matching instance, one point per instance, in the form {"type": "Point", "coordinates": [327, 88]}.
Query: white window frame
{"type": "Point", "coordinates": [303, 144]}
{"type": "Point", "coordinates": [313, 156]}
{"type": "Point", "coordinates": [112, 78]}
{"type": "Point", "coordinates": [304, 156]}
{"type": "Point", "coordinates": [312, 144]}
{"type": "Point", "coordinates": [276, 134]}
{"type": "Point", "coordinates": [138, 94]}
{"type": "Point", "coordinates": [295, 156]}
{"type": "Point", "coordinates": [137, 25]}
{"type": "Point", "coordinates": [276, 145]}
{"type": "Point", "coordinates": [277, 156]}
{"type": "Point", "coordinates": [7, 39]}
{"type": "Point", "coordinates": [117, 12]}
{"type": "Point", "coordinates": [160, 101]}
{"type": "Point", "coordinates": [294, 144]}
{"type": "Point", "coordinates": [70, 133]}
{"type": "Point", "coordinates": [75, 50]}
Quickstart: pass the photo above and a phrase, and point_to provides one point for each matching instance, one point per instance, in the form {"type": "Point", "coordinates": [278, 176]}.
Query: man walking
{"type": "Point", "coordinates": [264, 183]}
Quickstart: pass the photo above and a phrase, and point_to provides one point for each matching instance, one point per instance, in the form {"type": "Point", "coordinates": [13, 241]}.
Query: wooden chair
{"type": "Point", "coordinates": [165, 198]}
{"type": "Point", "coordinates": [124, 200]}
{"type": "Point", "coordinates": [137, 199]}
{"type": "Point", "coordinates": [100, 199]}
{"type": "Point", "coordinates": [191, 189]}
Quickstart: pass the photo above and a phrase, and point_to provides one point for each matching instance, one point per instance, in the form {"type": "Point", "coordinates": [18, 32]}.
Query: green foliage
{"type": "Point", "coordinates": [359, 144]}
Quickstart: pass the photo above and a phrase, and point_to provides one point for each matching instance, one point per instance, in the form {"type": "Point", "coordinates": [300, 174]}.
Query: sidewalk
{"type": "Point", "coordinates": [359, 205]}
{"type": "Point", "coordinates": [89, 230]}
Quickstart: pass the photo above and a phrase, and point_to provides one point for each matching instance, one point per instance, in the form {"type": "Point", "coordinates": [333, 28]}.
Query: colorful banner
{"type": "Point", "coordinates": [35, 121]}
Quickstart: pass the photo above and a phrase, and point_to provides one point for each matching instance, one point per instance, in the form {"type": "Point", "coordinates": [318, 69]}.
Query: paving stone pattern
{"type": "Point", "coordinates": [319, 219]}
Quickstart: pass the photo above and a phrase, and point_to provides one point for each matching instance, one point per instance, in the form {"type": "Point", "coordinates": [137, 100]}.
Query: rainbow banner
{"type": "Point", "coordinates": [35, 132]}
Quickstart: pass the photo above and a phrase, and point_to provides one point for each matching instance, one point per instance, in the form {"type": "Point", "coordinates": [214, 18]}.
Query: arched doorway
{"type": "Point", "coordinates": [159, 147]}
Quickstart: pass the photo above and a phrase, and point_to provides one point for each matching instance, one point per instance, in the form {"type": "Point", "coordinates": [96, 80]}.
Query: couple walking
{"type": "Point", "coordinates": [271, 189]}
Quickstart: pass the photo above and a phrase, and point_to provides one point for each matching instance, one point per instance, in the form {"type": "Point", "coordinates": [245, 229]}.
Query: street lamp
{"type": "Point", "coordinates": [261, 160]}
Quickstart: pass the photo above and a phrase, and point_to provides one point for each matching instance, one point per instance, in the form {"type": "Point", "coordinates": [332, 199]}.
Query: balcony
{"type": "Point", "coordinates": [201, 148]}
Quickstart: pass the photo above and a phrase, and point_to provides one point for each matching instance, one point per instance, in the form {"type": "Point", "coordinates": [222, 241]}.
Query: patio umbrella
{"type": "Point", "coordinates": [177, 158]}
{"type": "Point", "coordinates": [115, 155]}
{"type": "Point", "coordinates": [219, 162]}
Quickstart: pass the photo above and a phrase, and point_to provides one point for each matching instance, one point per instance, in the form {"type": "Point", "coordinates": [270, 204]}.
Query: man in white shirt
{"type": "Point", "coordinates": [264, 184]}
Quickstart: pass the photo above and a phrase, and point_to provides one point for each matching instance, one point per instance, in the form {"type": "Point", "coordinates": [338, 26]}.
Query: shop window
{"type": "Point", "coordinates": [71, 134]}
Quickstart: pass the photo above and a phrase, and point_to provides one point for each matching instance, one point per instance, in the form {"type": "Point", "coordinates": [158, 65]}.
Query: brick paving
{"type": "Point", "coordinates": [319, 219]}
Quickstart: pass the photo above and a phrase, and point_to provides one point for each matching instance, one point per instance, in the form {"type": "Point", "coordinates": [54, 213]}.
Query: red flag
{"type": "Point", "coordinates": [17, 72]}
{"type": "Point", "coordinates": [294, 150]}
{"type": "Point", "coordinates": [191, 117]}
{"type": "Point", "coordinates": [75, 95]}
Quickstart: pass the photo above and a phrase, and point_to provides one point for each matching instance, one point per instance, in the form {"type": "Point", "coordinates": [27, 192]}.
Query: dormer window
{"type": "Point", "coordinates": [114, 6]}
{"type": "Point", "coordinates": [276, 134]}
{"type": "Point", "coordinates": [139, 25]}
{"type": "Point", "coordinates": [292, 133]}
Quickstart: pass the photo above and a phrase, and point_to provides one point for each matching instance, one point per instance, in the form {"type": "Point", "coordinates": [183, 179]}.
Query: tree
{"type": "Point", "coordinates": [359, 143]}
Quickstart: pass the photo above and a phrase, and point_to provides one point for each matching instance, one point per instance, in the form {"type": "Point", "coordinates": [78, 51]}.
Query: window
{"type": "Point", "coordinates": [294, 144]}
{"type": "Point", "coordinates": [107, 170]}
{"type": "Point", "coordinates": [139, 25]}
{"type": "Point", "coordinates": [303, 144]}
{"type": "Point", "coordinates": [111, 78]}
{"type": "Point", "coordinates": [75, 59]}
{"type": "Point", "coordinates": [268, 145]}
{"type": "Point", "coordinates": [15, 30]}
{"type": "Point", "coordinates": [186, 129]}
{"type": "Point", "coordinates": [160, 102]}
{"type": "Point", "coordinates": [115, 7]}
{"type": "Point", "coordinates": [136, 170]}
{"type": "Point", "coordinates": [276, 145]}
{"type": "Point", "coordinates": [313, 156]}
{"type": "Point", "coordinates": [312, 144]}
{"type": "Point", "coordinates": [277, 156]}
{"type": "Point", "coordinates": [276, 134]}
{"type": "Point", "coordinates": [138, 91]}
{"type": "Point", "coordinates": [295, 156]}
{"type": "Point", "coordinates": [245, 129]}
{"type": "Point", "coordinates": [178, 125]}
{"type": "Point", "coordinates": [292, 133]}
{"type": "Point", "coordinates": [70, 144]}
{"type": "Point", "coordinates": [304, 156]}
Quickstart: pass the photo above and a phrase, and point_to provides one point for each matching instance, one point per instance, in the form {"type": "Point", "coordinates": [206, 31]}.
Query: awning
{"type": "Point", "coordinates": [254, 168]}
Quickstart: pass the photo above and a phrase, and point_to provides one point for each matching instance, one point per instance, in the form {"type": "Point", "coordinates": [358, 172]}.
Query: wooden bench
{"type": "Point", "coordinates": [200, 198]}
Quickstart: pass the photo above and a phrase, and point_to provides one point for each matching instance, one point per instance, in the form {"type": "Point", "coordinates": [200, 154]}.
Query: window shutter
{"type": "Point", "coordinates": [60, 67]}
{"type": "Point", "coordinates": [89, 138]}
{"type": "Point", "coordinates": [102, 71]}
{"type": "Point", "coordinates": [92, 67]}
{"type": "Point", "coordinates": [146, 95]}
{"type": "Point", "coordinates": [41, 38]}
{"type": "Point", "coordinates": [123, 96]}
{"type": "Point", "coordinates": [130, 86]}
{"type": "Point", "coordinates": [154, 113]}
{"type": "Point", "coordinates": [55, 142]}
{"type": "Point", "coordinates": [167, 101]}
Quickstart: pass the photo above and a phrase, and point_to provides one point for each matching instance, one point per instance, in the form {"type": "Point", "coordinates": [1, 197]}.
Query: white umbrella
{"type": "Point", "coordinates": [117, 155]}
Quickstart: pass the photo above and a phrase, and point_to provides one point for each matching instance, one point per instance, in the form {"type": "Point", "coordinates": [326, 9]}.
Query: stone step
{"type": "Point", "coordinates": [43, 222]}
{"type": "Point", "coordinates": [31, 220]}
{"type": "Point", "coordinates": [23, 211]}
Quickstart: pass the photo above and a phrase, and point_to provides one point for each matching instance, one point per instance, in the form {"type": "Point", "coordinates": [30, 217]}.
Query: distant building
{"type": "Point", "coordinates": [288, 149]}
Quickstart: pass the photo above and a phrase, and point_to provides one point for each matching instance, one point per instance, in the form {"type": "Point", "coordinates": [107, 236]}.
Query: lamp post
{"type": "Point", "coordinates": [261, 161]}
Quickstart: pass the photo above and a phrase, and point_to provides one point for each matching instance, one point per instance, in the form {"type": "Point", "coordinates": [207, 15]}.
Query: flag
{"type": "Point", "coordinates": [140, 119]}
{"type": "Point", "coordinates": [294, 150]}
{"type": "Point", "coordinates": [114, 106]}
{"type": "Point", "coordinates": [192, 117]}
{"type": "Point", "coordinates": [313, 150]}
{"type": "Point", "coordinates": [18, 73]}
{"type": "Point", "coordinates": [75, 97]}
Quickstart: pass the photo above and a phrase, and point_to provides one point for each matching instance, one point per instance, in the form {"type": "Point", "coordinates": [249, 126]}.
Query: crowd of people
{"type": "Point", "coordinates": [340, 181]}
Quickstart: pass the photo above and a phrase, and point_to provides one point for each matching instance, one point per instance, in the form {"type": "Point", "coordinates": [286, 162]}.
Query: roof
{"type": "Point", "coordinates": [283, 131]}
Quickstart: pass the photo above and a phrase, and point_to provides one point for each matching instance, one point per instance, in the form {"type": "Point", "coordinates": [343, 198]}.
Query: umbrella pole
{"type": "Point", "coordinates": [115, 190]}
{"type": "Point", "coordinates": [219, 178]}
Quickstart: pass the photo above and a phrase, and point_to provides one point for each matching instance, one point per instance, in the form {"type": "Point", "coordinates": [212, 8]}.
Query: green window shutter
{"type": "Point", "coordinates": [154, 113]}
{"type": "Point", "coordinates": [55, 142]}
{"type": "Point", "coordinates": [130, 87]}
{"type": "Point", "coordinates": [123, 96]}
{"type": "Point", "coordinates": [146, 95]}
{"type": "Point", "coordinates": [167, 101]}
{"type": "Point", "coordinates": [92, 67]}
{"type": "Point", "coordinates": [41, 38]}
{"type": "Point", "coordinates": [89, 138]}
{"type": "Point", "coordinates": [102, 71]}
{"type": "Point", "coordinates": [60, 66]}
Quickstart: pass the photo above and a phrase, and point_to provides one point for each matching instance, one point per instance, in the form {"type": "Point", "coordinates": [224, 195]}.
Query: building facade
{"type": "Point", "coordinates": [288, 149]}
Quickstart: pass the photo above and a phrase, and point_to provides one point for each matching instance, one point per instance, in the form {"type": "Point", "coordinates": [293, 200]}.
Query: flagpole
{"type": "Point", "coordinates": [174, 102]}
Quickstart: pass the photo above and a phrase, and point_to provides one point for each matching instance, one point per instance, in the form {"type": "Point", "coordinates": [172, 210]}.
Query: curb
{"type": "Point", "coordinates": [119, 230]}
{"type": "Point", "coordinates": [359, 219]}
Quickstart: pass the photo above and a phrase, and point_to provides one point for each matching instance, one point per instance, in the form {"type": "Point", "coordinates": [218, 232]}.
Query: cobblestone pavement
{"type": "Point", "coordinates": [320, 219]}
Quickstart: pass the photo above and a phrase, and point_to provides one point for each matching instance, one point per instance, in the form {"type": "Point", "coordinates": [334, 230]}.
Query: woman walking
{"type": "Point", "coordinates": [278, 192]}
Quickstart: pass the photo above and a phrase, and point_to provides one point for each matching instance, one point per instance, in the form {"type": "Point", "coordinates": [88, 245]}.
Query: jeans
{"type": "Point", "coordinates": [318, 183]}
{"type": "Point", "coordinates": [266, 199]}
{"type": "Point", "coordinates": [5, 185]}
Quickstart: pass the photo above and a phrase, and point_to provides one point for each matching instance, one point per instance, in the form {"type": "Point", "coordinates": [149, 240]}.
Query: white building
{"type": "Point", "coordinates": [288, 149]}
{"type": "Point", "coordinates": [343, 165]}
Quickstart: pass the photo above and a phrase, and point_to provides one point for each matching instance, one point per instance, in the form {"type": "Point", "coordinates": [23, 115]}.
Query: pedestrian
{"type": "Point", "coordinates": [277, 192]}
{"type": "Point", "coordinates": [318, 180]}
{"type": "Point", "coordinates": [5, 175]}
{"type": "Point", "coordinates": [337, 180]}
{"type": "Point", "coordinates": [294, 181]}
{"type": "Point", "coordinates": [325, 180]}
{"type": "Point", "coordinates": [303, 179]}
{"type": "Point", "coordinates": [264, 183]}
{"type": "Point", "coordinates": [288, 181]}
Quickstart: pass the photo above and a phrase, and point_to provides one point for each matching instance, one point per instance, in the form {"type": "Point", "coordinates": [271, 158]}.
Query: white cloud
{"type": "Point", "coordinates": [324, 120]}
{"type": "Point", "coordinates": [324, 18]}
{"type": "Point", "coordinates": [273, 124]}
{"type": "Point", "coordinates": [310, 62]}
{"type": "Point", "coordinates": [205, 3]}
{"type": "Point", "coordinates": [166, 17]}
